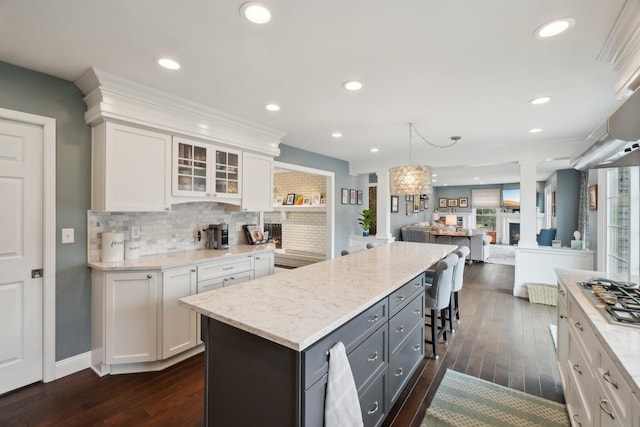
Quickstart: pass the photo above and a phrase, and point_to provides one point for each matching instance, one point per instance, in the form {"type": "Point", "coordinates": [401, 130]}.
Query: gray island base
{"type": "Point", "coordinates": [267, 340]}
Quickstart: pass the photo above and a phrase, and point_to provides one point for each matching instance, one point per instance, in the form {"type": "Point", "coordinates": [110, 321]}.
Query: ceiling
{"type": "Point", "coordinates": [462, 67]}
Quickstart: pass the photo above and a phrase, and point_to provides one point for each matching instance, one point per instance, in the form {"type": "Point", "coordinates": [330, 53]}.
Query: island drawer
{"type": "Point", "coordinates": [399, 298]}
{"type": "Point", "coordinates": [368, 358]}
{"type": "Point", "coordinates": [374, 403]}
{"type": "Point", "coordinates": [404, 361]}
{"type": "Point", "coordinates": [402, 323]}
{"type": "Point", "coordinates": [224, 267]}
{"type": "Point", "coordinates": [315, 359]}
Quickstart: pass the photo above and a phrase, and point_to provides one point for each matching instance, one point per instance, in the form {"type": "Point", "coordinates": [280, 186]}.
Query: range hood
{"type": "Point", "coordinates": [614, 143]}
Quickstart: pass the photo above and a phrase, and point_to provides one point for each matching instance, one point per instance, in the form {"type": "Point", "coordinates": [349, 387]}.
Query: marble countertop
{"type": "Point", "coordinates": [179, 259]}
{"type": "Point", "coordinates": [620, 340]}
{"type": "Point", "coordinates": [297, 307]}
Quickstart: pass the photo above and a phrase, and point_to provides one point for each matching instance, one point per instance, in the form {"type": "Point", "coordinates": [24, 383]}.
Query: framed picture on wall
{"type": "Point", "coordinates": [452, 203]}
{"type": "Point", "coordinates": [394, 204]}
{"type": "Point", "coordinates": [345, 196]}
{"type": "Point", "coordinates": [464, 202]}
{"type": "Point", "coordinates": [353, 197]}
{"type": "Point", "coordinates": [416, 204]}
{"type": "Point", "coordinates": [422, 204]}
{"type": "Point", "coordinates": [442, 203]}
{"type": "Point", "coordinates": [409, 207]}
{"type": "Point", "coordinates": [360, 197]}
{"type": "Point", "coordinates": [291, 198]}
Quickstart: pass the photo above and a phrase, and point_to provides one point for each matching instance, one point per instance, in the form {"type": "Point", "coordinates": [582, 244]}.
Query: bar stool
{"type": "Point", "coordinates": [375, 244]}
{"type": "Point", "coordinates": [353, 250]}
{"type": "Point", "coordinates": [437, 298]}
{"type": "Point", "coordinates": [458, 278]}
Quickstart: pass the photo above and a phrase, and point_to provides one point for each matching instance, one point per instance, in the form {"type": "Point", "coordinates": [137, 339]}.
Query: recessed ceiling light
{"type": "Point", "coordinates": [434, 180]}
{"type": "Point", "coordinates": [272, 107]}
{"type": "Point", "coordinates": [535, 130]}
{"type": "Point", "coordinates": [336, 135]}
{"type": "Point", "coordinates": [434, 174]}
{"type": "Point", "coordinates": [476, 178]}
{"type": "Point", "coordinates": [540, 100]}
{"type": "Point", "coordinates": [255, 12]}
{"type": "Point", "coordinates": [374, 150]}
{"type": "Point", "coordinates": [168, 63]}
{"type": "Point", "coordinates": [445, 184]}
{"type": "Point", "coordinates": [352, 85]}
{"type": "Point", "coordinates": [553, 28]}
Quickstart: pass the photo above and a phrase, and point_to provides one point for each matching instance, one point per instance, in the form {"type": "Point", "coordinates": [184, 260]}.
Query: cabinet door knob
{"type": "Point", "coordinates": [416, 347]}
{"type": "Point", "coordinates": [373, 358]}
{"type": "Point", "coordinates": [579, 326]}
{"type": "Point", "coordinates": [399, 372]}
{"type": "Point", "coordinates": [400, 329]}
{"type": "Point", "coordinates": [375, 408]}
{"type": "Point", "coordinates": [193, 270]}
{"type": "Point", "coordinates": [562, 316]}
{"type": "Point", "coordinates": [400, 298]}
{"type": "Point", "coordinates": [149, 276]}
{"type": "Point", "coordinates": [576, 368]}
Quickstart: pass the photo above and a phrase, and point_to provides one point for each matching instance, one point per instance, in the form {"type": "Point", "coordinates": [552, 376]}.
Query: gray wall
{"type": "Point", "coordinates": [346, 216]}
{"type": "Point", "coordinates": [567, 201]}
{"type": "Point", "coordinates": [43, 95]}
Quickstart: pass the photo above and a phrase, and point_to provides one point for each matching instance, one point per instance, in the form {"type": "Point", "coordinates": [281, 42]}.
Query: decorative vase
{"type": "Point", "coordinates": [365, 233]}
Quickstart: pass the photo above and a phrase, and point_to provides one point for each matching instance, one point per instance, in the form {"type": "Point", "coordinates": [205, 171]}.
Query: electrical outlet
{"type": "Point", "coordinates": [135, 231]}
{"type": "Point", "coordinates": [68, 235]}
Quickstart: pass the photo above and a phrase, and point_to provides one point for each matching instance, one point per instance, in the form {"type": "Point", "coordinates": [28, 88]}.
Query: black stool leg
{"type": "Point", "coordinates": [434, 333]}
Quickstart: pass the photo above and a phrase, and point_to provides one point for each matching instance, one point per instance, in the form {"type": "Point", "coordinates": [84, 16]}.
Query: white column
{"type": "Point", "coordinates": [383, 207]}
{"type": "Point", "coordinates": [528, 204]}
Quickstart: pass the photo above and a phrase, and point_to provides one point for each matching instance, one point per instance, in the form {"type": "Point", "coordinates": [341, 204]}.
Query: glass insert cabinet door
{"type": "Point", "coordinates": [191, 168]}
{"type": "Point", "coordinates": [227, 175]}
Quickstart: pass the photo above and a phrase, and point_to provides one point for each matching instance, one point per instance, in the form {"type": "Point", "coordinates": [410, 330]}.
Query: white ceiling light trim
{"type": "Point", "coordinates": [374, 150]}
{"type": "Point", "coordinates": [272, 107]}
{"type": "Point", "coordinates": [255, 12]}
{"type": "Point", "coordinates": [554, 28]}
{"type": "Point", "coordinates": [168, 63]}
{"type": "Point", "coordinates": [535, 130]}
{"type": "Point", "coordinates": [336, 135]}
{"type": "Point", "coordinates": [352, 85]}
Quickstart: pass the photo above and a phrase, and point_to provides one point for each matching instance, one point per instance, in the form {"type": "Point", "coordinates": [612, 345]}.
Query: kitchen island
{"type": "Point", "coordinates": [267, 339]}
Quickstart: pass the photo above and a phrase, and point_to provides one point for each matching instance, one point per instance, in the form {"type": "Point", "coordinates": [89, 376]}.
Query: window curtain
{"type": "Point", "coordinates": [583, 208]}
{"type": "Point", "coordinates": [485, 198]}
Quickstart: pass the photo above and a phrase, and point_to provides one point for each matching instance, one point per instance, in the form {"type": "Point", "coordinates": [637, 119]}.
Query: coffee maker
{"type": "Point", "coordinates": [217, 236]}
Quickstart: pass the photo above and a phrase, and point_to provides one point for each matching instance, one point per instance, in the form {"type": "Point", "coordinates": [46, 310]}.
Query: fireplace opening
{"type": "Point", "coordinates": [514, 233]}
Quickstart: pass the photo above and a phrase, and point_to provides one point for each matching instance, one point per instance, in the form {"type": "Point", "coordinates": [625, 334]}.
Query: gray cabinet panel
{"type": "Point", "coordinates": [315, 360]}
{"type": "Point", "coordinates": [402, 323]}
{"type": "Point", "coordinates": [404, 361]}
{"type": "Point", "coordinates": [373, 402]}
{"type": "Point", "coordinates": [400, 298]}
{"type": "Point", "coordinates": [313, 403]}
{"type": "Point", "coordinates": [369, 358]}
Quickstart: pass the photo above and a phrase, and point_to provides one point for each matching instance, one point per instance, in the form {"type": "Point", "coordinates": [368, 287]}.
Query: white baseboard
{"type": "Point", "coordinates": [73, 364]}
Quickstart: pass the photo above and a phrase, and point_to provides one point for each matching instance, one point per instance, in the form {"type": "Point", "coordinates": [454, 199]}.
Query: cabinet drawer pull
{"type": "Point", "coordinates": [577, 420]}
{"type": "Point", "coordinates": [400, 298]}
{"type": "Point", "coordinates": [373, 358]}
{"type": "Point", "coordinates": [561, 292]}
{"type": "Point", "coordinates": [418, 312]}
{"type": "Point", "coordinates": [400, 330]}
{"type": "Point", "coordinates": [604, 403]}
{"type": "Point", "coordinates": [227, 268]}
{"type": "Point", "coordinates": [399, 372]}
{"type": "Point", "coordinates": [375, 408]}
{"type": "Point", "coordinates": [579, 326]}
{"type": "Point", "coordinates": [417, 285]}
{"type": "Point", "coordinates": [373, 319]}
{"type": "Point", "coordinates": [562, 316]}
{"type": "Point", "coordinates": [576, 368]}
{"type": "Point", "coordinates": [193, 270]}
{"type": "Point", "coordinates": [149, 276]}
{"type": "Point", "coordinates": [607, 377]}
{"type": "Point", "coordinates": [416, 347]}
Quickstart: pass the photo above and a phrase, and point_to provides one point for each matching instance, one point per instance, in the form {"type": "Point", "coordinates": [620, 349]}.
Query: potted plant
{"type": "Point", "coordinates": [366, 219]}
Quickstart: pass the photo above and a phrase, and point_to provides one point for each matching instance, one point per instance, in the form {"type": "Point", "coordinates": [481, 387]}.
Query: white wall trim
{"type": "Point", "coordinates": [48, 234]}
{"type": "Point", "coordinates": [112, 97]}
{"type": "Point", "coordinates": [73, 364]}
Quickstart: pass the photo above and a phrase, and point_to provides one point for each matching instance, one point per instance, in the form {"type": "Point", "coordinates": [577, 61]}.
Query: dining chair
{"type": "Point", "coordinates": [437, 298]}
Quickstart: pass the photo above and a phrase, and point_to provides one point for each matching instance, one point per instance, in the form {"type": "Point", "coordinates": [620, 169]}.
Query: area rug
{"type": "Point", "coordinates": [502, 254]}
{"type": "Point", "coordinates": [554, 335]}
{"type": "Point", "coordinates": [462, 400]}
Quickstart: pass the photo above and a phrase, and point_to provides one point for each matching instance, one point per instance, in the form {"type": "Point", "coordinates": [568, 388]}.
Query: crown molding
{"type": "Point", "coordinates": [110, 97]}
{"type": "Point", "coordinates": [622, 49]}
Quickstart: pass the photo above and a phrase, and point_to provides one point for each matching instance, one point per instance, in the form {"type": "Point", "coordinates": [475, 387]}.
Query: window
{"type": "Point", "coordinates": [486, 218]}
{"type": "Point", "coordinates": [622, 224]}
{"type": "Point", "coordinates": [486, 201]}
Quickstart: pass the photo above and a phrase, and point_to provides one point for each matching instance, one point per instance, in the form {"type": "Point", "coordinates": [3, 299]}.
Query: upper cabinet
{"type": "Point", "coordinates": [257, 183]}
{"type": "Point", "coordinates": [202, 170]}
{"type": "Point", "coordinates": [129, 169]}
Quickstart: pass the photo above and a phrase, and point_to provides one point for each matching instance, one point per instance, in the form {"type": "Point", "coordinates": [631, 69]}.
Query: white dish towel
{"type": "Point", "coordinates": [341, 406]}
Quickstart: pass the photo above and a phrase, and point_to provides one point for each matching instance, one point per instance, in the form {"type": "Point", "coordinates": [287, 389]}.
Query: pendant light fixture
{"type": "Point", "coordinates": [410, 179]}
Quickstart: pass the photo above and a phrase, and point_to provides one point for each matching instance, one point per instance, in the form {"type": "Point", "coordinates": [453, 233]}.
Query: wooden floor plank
{"type": "Point", "coordinates": [500, 338]}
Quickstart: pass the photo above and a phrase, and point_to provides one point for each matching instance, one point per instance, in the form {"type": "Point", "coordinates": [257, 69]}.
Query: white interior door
{"type": "Point", "coordinates": [21, 254]}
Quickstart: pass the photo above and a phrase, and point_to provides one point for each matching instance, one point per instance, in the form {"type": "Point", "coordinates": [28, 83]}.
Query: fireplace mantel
{"type": "Point", "coordinates": [504, 219]}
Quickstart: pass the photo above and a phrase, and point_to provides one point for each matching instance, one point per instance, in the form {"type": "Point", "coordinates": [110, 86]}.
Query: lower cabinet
{"type": "Point", "coordinates": [179, 324]}
{"type": "Point", "coordinates": [264, 264]}
{"type": "Point", "coordinates": [124, 317]}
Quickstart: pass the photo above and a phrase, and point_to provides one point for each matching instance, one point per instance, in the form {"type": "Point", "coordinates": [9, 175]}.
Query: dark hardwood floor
{"type": "Point", "coordinates": [501, 339]}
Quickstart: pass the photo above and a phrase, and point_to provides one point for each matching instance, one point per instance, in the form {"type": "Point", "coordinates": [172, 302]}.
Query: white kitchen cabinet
{"type": "Point", "coordinates": [263, 264]}
{"type": "Point", "coordinates": [257, 183]}
{"type": "Point", "coordinates": [202, 170]}
{"type": "Point", "coordinates": [179, 324]}
{"type": "Point", "coordinates": [130, 169]}
{"type": "Point", "coordinates": [130, 316]}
